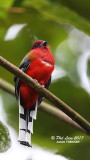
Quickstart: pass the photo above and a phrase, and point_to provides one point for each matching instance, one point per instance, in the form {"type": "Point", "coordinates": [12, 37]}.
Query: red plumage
{"type": "Point", "coordinates": [38, 64]}
{"type": "Point", "coordinates": [41, 67]}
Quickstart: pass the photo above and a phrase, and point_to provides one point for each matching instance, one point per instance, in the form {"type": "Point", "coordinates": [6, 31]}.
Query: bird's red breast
{"type": "Point", "coordinates": [41, 67]}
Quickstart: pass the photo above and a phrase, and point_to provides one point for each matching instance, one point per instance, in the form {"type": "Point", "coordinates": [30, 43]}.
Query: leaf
{"type": "Point", "coordinates": [5, 141]}
{"type": "Point", "coordinates": [60, 13]}
{"type": "Point", "coordinates": [5, 3]}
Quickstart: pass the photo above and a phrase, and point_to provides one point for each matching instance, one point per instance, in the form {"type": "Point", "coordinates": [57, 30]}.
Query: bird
{"type": "Point", "coordinates": [39, 64]}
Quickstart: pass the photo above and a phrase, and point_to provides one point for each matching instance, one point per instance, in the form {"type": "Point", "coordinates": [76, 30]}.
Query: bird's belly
{"type": "Point", "coordinates": [28, 95]}
{"type": "Point", "coordinates": [39, 71]}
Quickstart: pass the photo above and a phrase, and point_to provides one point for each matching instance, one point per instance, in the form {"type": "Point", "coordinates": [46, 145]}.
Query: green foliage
{"type": "Point", "coordinates": [6, 4]}
{"type": "Point", "coordinates": [52, 21]}
{"type": "Point", "coordinates": [5, 141]}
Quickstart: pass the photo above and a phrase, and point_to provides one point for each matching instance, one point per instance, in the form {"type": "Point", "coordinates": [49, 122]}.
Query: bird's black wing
{"type": "Point", "coordinates": [23, 66]}
{"type": "Point", "coordinates": [40, 98]}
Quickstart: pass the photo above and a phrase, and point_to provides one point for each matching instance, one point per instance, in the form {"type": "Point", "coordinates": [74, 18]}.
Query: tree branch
{"type": "Point", "coordinates": [47, 94]}
{"type": "Point", "coordinates": [45, 107]}
{"type": "Point", "coordinates": [4, 85]}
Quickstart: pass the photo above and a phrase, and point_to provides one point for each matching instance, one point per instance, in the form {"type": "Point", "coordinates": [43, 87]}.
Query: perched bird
{"type": "Point", "coordinates": [38, 64]}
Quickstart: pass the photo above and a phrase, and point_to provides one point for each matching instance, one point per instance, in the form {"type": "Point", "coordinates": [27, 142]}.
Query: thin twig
{"type": "Point", "coordinates": [14, 9]}
{"type": "Point", "coordinates": [45, 107]}
{"type": "Point", "coordinates": [6, 86]}
{"type": "Point", "coordinates": [47, 94]}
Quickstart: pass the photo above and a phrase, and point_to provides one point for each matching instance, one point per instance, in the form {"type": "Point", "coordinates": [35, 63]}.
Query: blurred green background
{"type": "Point", "coordinates": [65, 25]}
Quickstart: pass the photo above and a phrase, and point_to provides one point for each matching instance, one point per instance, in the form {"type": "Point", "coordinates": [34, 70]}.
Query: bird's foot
{"type": "Point", "coordinates": [42, 84]}
{"type": "Point", "coordinates": [35, 80]}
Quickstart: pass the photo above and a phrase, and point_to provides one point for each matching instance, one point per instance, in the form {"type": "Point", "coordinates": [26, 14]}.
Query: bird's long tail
{"type": "Point", "coordinates": [26, 124]}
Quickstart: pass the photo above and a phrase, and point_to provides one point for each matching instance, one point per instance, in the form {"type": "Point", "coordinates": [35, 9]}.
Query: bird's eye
{"type": "Point", "coordinates": [35, 46]}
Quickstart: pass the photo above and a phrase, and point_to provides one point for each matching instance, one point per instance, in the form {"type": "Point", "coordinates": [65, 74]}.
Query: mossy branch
{"type": "Point", "coordinates": [47, 94]}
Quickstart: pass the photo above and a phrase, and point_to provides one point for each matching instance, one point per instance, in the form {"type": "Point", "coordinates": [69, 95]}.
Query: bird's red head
{"type": "Point", "coordinates": [39, 43]}
{"type": "Point", "coordinates": [41, 49]}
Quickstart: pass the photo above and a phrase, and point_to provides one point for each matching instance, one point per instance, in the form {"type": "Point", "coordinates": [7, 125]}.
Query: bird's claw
{"type": "Point", "coordinates": [42, 85]}
{"type": "Point", "coordinates": [35, 80]}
